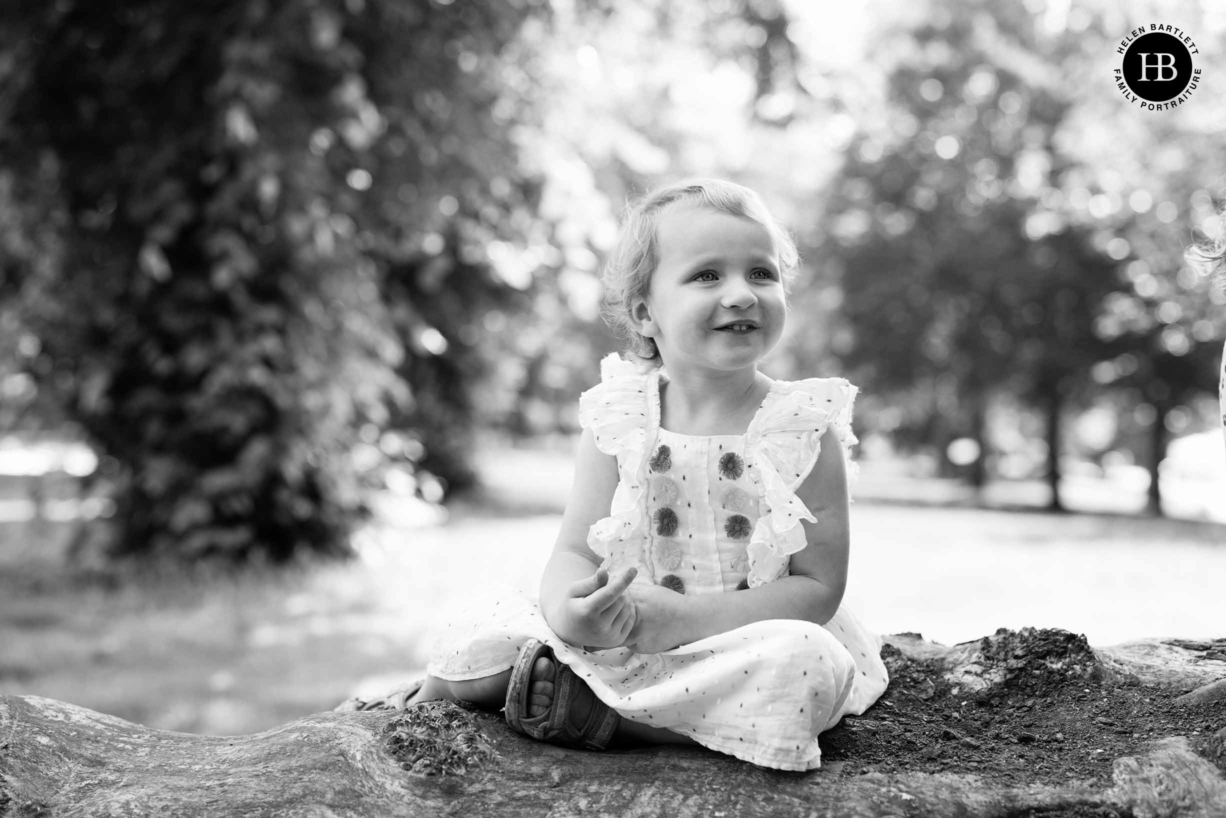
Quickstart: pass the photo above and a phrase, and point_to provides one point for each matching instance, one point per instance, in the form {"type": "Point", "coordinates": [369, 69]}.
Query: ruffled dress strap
{"type": "Point", "coordinates": [623, 412]}
{"type": "Point", "coordinates": [782, 447]}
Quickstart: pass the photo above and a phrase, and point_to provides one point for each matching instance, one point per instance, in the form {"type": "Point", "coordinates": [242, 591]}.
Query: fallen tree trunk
{"type": "Point", "coordinates": [1018, 723]}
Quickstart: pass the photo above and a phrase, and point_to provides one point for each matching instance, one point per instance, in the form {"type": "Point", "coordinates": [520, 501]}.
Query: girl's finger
{"type": "Point", "coordinates": [623, 623]}
{"type": "Point", "coordinates": [611, 612]}
{"type": "Point", "coordinates": [589, 585]}
{"type": "Point", "coordinates": [612, 592]}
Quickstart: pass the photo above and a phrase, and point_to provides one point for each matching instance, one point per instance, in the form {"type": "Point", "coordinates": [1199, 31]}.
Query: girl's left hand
{"type": "Point", "coordinates": [659, 619]}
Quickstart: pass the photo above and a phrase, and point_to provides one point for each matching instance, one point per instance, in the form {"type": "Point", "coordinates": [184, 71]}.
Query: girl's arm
{"type": "Point", "coordinates": [579, 600]}
{"type": "Point", "coordinates": [812, 592]}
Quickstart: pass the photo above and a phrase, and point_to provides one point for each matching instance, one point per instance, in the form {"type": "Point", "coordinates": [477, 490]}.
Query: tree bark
{"type": "Point", "coordinates": [1157, 451]}
{"type": "Point", "coordinates": [1054, 433]}
{"type": "Point", "coordinates": [979, 432]}
{"type": "Point", "coordinates": [57, 759]}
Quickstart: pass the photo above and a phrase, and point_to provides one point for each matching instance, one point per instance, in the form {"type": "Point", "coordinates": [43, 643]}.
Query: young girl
{"type": "Point", "coordinates": [694, 591]}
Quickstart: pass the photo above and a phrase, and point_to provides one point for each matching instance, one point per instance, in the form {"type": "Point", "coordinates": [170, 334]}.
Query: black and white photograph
{"type": "Point", "coordinates": [566, 407]}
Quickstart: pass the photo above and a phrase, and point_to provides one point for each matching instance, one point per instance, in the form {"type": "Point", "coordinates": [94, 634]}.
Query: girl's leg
{"type": "Point", "coordinates": [491, 691]}
{"type": "Point", "coordinates": [488, 691]}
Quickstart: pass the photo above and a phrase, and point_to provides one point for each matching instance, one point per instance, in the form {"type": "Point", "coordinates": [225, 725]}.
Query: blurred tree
{"type": "Point", "coordinates": [197, 323]}
{"type": "Point", "coordinates": [1145, 183]}
{"type": "Point", "coordinates": [953, 288]}
{"type": "Point", "coordinates": [257, 223]}
{"type": "Point", "coordinates": [27, 228]}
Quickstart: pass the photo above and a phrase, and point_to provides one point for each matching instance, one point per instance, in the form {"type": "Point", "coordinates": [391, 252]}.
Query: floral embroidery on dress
{"type": "Point", "coordinates": [668, 554]}
{"type": "Point", "coordinates": [737, 526]}
{"type": "Point", "coordinates": [662, 460]}
{"type": "Point", "coordinates": [664, 490]}
{"type": "Point", "coordinates": [673, 583]}
{"type": "Point", "coordinates": [736, 500]}
{"type": "Point", "coordinates": [731, 466]}
{"type": "Point", "coordinates": [666, 522]}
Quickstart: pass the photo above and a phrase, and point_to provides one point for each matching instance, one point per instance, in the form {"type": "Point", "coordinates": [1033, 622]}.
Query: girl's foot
{"type": "Point", "coordinates": [547, 701]}
{"type": "Point", "coordinates": [541, 694]}
{"type": "Point", "coordinates": [541, 691]}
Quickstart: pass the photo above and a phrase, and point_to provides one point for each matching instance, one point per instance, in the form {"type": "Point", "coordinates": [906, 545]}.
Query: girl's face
{"type": "Point", "coordinates": [716, 299]}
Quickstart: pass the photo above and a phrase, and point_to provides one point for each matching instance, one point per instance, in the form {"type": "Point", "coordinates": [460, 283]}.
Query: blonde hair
{"type": "Point", "coordinates": [627, 274]}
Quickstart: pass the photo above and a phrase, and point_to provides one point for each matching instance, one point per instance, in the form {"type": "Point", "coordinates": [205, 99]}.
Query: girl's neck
{"type": "Point", "coordinates": [708, 405]}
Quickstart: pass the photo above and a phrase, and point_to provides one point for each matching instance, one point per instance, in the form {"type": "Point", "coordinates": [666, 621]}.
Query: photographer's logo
{"type": "Point", "coordinates": [1157, 72]}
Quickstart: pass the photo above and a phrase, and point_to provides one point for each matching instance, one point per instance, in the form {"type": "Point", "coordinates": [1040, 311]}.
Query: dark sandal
{"type": "Point", "coordinates": [553, 726]}
{"type": "Point", "coordinates": [396, 700]}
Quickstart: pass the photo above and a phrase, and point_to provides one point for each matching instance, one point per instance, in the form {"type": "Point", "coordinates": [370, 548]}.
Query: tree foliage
{"type": "Point", "coordinates": [986, 246]}
{"type": "Point", "coordinates": [250, 221]}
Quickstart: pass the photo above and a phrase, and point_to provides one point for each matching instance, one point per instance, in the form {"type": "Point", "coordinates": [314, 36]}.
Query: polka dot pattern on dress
{"type": "Point", "coordinates": [740, 562]}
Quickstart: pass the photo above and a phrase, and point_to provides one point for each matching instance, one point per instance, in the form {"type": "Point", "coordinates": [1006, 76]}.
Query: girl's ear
{"type": "Point", "coordinates": [643, 320]}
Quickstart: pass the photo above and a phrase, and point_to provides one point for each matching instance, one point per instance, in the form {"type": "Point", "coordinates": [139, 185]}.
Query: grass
{"type": "Point", "coordinates": [211, 652]}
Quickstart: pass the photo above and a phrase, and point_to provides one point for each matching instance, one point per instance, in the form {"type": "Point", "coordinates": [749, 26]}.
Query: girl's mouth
{"type": "Point", "coordinates": [737, 328]}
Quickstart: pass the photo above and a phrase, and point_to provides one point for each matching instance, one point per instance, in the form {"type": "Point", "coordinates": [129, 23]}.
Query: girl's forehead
{"type": "Point", "coordinates": [684, 225]}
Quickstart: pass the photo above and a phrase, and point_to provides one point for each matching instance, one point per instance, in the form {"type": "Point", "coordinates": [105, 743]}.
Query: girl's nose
{"type": "Point", "coordinates": [738, 295]}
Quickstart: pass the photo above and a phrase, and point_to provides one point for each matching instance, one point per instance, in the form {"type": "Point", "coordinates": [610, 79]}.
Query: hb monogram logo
{"type": "Point", "coordinates": [1157, 72]}
{"type": "Point", "coordinates": [1165, 62]}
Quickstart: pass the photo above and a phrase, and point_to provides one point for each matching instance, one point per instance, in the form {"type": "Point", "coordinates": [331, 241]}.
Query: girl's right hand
{"type": "Point", "coordinates": [597, 610]}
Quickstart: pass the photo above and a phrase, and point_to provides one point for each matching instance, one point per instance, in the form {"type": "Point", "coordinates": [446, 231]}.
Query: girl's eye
{"type": "Point", "coordinates": [705, 275]}
{"type": "Point", "coordinates": [762, 273]}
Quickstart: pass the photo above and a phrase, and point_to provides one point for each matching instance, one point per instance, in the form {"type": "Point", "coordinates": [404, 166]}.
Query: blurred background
{"type": "Point", "coordinates": [297, 298]}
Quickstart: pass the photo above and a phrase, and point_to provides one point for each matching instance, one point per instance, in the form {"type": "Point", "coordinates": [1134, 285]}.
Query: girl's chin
{"type": "Point", "coordinates": [721, 350]}
{"type": "Point", "coordinates": [726, 360]}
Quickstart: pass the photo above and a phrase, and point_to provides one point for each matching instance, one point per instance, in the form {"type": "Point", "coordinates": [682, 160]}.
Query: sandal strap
{"type": "Point", "coordinates": [600, 726]}
{"type": "Point", "coordinates": [601, 723]}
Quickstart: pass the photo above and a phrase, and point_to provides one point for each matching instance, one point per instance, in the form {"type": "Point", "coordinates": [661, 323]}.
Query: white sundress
{"type": "Point", "coordinates": [704, 514]}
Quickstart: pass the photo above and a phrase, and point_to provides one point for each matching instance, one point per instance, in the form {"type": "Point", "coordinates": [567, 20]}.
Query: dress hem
{"type": "Point", "coordinates": [741, 751]}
